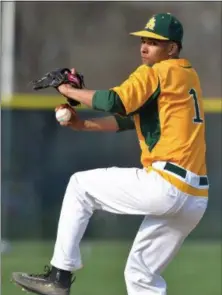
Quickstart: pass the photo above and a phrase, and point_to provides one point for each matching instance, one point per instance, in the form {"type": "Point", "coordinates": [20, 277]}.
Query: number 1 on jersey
{"type": "Point", "coordinates": [197, 118]}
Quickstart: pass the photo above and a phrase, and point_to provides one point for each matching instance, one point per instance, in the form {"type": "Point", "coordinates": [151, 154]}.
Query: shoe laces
{"type": "Point", "coordinates": [46, 274]}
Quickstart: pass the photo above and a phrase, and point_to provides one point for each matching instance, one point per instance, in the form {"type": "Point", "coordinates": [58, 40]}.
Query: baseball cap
{"type": "Point", "coordinates": [162, 26]}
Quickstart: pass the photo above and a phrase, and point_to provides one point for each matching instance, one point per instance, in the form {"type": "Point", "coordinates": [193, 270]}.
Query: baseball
{"type": "Point", "coordinates": [63, 115]}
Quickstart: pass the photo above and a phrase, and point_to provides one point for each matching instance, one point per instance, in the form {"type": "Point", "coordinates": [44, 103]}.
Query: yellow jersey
{"type": "Point", "coordinates": [165, 101]}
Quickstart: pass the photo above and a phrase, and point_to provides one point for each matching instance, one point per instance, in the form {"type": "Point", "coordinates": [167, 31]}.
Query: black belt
{"type": "Point", "coordinates": [203, 180]}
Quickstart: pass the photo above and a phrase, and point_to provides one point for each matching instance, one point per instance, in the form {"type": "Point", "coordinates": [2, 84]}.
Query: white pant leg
{"type": "Point", "coordinates": [117, 190]}
{"type": "Point", "coordinates": [156, 244]}
{"type": "Point", "coordinates": [77, 208]}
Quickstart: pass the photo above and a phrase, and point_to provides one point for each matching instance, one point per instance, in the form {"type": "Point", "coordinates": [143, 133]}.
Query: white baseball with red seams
{"type": "Point", "coordinates": [63, 115]}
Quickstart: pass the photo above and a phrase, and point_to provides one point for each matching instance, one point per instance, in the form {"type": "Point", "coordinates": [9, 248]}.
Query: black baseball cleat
{"type": "Point", "coordinates": [52, 282]}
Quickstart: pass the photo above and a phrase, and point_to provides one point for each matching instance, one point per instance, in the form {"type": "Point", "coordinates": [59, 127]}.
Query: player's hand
{"type": "Point", "coordinates": [74, 120]}
{"type": "Point", "coordinates": [64, 89]}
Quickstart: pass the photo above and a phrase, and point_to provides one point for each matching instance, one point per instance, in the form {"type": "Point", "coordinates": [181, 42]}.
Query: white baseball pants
{"type": "Point", "coordinates": [170, 216]}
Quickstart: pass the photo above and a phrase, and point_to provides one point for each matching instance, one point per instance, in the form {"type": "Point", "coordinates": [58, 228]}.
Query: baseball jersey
{"type": "Point", "coordinates": [165, 101]}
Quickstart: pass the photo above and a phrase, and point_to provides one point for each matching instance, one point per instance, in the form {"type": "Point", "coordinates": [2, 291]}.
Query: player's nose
{"type": "Point", "coordinates": [144, 48]}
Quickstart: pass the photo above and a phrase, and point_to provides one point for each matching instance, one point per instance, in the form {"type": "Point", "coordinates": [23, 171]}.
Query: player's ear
{"type": "Point", "coordinates": [172, 49]}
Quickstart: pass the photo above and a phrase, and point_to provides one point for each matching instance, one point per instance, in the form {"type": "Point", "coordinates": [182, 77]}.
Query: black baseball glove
{"type": "Point", "coordinates": [56, 78]}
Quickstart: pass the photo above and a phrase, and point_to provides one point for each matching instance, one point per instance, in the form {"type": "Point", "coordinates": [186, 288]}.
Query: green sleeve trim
{"type": "Point", "coordinates": [124, 123]}
{"type": "Point", "coordinates": [108, 101]}
{"type": "Point", "coordinates": [186, 67]}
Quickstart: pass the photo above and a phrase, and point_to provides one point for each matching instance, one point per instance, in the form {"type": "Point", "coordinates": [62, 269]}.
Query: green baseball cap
{"type": "Point", "coordinates": [162, 26]}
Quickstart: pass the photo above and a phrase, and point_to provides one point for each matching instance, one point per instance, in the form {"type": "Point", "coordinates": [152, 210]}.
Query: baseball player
{"type": "Point", "coordinates": [162, 100]}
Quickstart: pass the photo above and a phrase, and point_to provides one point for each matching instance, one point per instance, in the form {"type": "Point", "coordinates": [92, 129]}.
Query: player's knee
{"type": "Point", "coordinates": [128, 271]}
{"type": "Point", "coordinates": [77, 188]}
{"type": "Point", "coordinates": [131, 277]}
{"type": "Point", "coordinates": [74, 185]}
{"type": "Point", "coordinates": [137, 273]}
{"type": "Point", "coordinates": [126, 274]}
{"type": "Point", "coordinates": [75, 178]}
{"type": "Point", "coordinates": [134, 268]}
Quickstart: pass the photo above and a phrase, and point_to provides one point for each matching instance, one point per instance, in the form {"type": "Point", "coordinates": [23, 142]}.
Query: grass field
{"type": "Point", "coordinates": [195, 271]}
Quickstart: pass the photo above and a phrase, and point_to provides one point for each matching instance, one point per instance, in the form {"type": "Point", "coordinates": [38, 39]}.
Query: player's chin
{"type": "Point", "coordinates": [146, 61]}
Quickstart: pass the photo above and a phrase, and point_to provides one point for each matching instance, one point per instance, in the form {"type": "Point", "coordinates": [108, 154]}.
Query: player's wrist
{"type": "Point", "coordinates": [77, 125]}
{"type": "Point", "coordinates": [71, 92]}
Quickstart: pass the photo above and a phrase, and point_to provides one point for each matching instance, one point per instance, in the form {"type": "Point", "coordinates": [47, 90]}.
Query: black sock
{"type": "Point", "coordinates": [62, 276]}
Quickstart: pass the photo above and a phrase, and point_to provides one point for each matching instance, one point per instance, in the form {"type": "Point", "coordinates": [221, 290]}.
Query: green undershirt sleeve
{"type": "Point", "coordinates": [108, 101]}
{"type": "Point", "coordinates": [124, 123]}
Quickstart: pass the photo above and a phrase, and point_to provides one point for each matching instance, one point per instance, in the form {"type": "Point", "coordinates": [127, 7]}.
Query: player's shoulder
{"type": "Point", "coordinates": [144, 70]}
{"type": "Point", "coordinates": [162, 70]}
{"type": "Point", "coordinates": [179, 63]}
{"type": "Point", "coordinates": [179, 68]}
{"type": "Point", "coordinates": [167, 64]}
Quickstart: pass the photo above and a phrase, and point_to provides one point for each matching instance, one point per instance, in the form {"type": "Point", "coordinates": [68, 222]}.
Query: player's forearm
{"type": "Point", "coordinates": [102, 100]}
{"type": "Point", "coordinates": [84, 96]}
{"type": "Point", "coordinates": [97, 124]}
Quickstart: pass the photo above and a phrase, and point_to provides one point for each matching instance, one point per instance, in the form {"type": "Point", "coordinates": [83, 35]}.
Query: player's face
{"type": "Point", "coordinates": [153, 51]}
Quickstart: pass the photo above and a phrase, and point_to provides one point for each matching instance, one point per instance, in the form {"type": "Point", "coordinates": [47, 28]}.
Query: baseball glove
{"type": "Point", "coordinates": [56, 78]}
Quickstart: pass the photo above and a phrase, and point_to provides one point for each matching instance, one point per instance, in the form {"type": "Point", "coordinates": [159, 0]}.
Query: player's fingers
{"type": "Point", "coordinates": [73, 71]}
{"type": "Point", "coordinates": [62, 106]}
{"type": "Point", "coordinates": [65, 123]}
{"type": "Point", "coordinates": [72, 110]}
